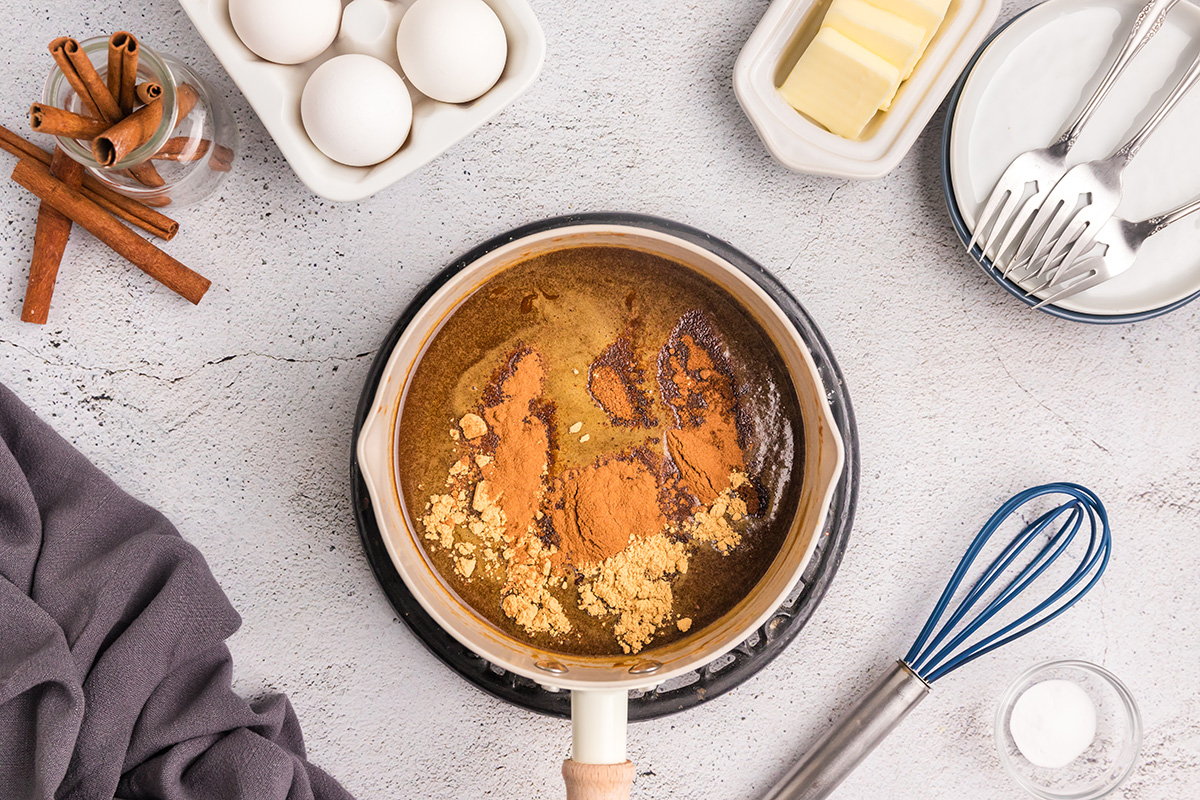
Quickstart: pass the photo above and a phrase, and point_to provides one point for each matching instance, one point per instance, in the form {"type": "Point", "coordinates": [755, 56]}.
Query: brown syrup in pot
{"type": "Point", "coordinates": [602, 320]}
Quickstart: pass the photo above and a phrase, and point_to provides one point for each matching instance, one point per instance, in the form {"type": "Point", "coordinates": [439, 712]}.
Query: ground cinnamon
{"type": "Point", "coordinates": [600, 509]}
{"type": "Point", "coordinates": [89, 216]}
{"type": "Point", "coordinates": [495, 495]}
{"type": "Point", "coordinates": [705, 445]}
{"type": "Point", "coordinates": [49, 243]}
{"type": "Point", "coordinates": [614, 381]}
{"type": "Point", "coordinates": [58, 122]}
{"type": "Point", "coordinates": [521, 455]}
{"type": "Point", "coordinates": [617, 531]}
{"type": "Point", "coordinates": [126, 208]}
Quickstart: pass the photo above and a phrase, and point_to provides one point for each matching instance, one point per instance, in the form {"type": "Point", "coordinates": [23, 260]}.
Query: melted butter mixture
{"type": "Point", "coordinates": [610, 327]}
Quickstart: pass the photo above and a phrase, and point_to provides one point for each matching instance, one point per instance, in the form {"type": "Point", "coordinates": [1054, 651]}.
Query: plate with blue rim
{"type": "Point", "coordinates": [1023, 87]}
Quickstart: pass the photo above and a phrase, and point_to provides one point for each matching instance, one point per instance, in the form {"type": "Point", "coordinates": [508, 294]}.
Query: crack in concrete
{"type": "Point", "coordinates": [1066, 422]}
{"type": "Point", "coordinates": [112, 371]}
{"type": "Point", "coordinates": [1165, 499]}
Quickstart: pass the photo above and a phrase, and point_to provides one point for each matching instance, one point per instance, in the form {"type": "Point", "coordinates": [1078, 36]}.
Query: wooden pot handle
{"type": "Point", "coordinates": [598, 781]}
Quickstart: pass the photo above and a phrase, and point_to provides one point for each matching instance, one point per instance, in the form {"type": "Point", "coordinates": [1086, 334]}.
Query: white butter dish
{"type": "Point", "coordinates": [805, 146]}
{"type": "Point", "coordinates": [273, 91]}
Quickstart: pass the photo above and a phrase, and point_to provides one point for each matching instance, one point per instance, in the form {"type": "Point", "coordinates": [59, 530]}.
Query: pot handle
{"type": "Point", "coordinates": [598, 781]}
{"type": "Point", "coordinates": [598, 769]}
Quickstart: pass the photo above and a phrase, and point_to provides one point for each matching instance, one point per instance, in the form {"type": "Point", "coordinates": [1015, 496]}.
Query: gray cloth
{"type": "Point", "coordinates": [114, 674]}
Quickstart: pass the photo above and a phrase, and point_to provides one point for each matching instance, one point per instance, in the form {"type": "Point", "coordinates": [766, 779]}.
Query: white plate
{"type": "Point", "coordinates": [1029, 84]}
{"type": "Point", "coordinates": [273, 91]}
{"type": "Point", "coordinates": [801, 144]}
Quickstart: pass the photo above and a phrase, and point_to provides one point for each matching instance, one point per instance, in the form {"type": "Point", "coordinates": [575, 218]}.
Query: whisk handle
{"type": "Point", "coordinates": [854, 737]}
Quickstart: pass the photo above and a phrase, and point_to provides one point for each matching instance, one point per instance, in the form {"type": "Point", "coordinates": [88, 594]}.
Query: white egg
{"type": "Point", "coordinates": [356, 110]}
{"type": "Point", "coordinates": [286, 31]}
{"type": "Point", "coordinates": [451, 50]}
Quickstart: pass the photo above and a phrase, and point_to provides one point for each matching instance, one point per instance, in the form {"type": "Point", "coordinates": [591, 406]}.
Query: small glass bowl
{"type": "Point", "coordinates": [206, 141]}
{"type": "Point", "coordinates": [1105, 764]}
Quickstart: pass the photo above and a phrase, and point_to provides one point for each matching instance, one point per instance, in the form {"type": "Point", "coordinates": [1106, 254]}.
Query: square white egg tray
{"type": "Point", "coordinates": [273, 91]}
{"type": "Point", "coordinates": [804, 146]}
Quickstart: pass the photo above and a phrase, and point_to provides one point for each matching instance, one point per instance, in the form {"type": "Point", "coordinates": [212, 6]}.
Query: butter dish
{"type": "Point", "coordinates": [273, 91]}
{"type": "Point", "coordinates": [805, 146]}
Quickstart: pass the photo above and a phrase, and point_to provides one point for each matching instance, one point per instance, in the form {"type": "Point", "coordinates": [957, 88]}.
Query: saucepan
{"type": "Point", "coordinates": [598, 768]}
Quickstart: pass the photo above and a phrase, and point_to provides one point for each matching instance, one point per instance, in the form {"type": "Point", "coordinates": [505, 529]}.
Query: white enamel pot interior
{"type": "Point", "coordinates": [600, 686]}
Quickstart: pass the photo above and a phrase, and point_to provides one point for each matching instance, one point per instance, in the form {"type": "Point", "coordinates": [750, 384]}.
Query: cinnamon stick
{"type": "Point", "coordinates": [122, 69]}
{"type": "Point", "coordinates": [154, 262]}
{"type": "Point", "coordinates": [59, 122]}
{"type": "Point", "coordinates": [128, 209]}
{"type": "Point", "coordinates": [49, 243]}
{"type": "Point", "coordinates": [182, 148]}
{"type": "Point", "coordinates": [186, 98]}
{"type": "Point", "coordinates": [222, 159]}
{"type": "Point", "coordinates": [156, 202]}
{"type": "Point", "coordinates": [147, 175]}
{"type": "Point", "coordinates": [82, 75]}
{"type": "Point", "coordinates": [85, 80]}
{"type": "Point", "coordinates": [148, 91]}
{"type": "Point", "coordinates": [127, 135]}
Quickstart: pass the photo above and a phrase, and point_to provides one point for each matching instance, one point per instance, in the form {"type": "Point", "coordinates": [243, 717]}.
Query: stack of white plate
{"type": "Point", "coordinates": [1024, 87]}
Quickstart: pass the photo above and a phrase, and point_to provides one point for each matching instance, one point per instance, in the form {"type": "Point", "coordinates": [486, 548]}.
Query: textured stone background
{"type": "Point", "coordinates": [234, 417]}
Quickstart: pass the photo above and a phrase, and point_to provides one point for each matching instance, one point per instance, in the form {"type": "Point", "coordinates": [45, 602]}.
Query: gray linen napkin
{"type": "Point", "coordinates": [114, 674]}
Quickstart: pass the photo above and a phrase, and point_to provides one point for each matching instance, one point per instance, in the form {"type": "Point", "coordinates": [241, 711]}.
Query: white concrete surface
{"type": "Point", "coordinates": [234, 417]}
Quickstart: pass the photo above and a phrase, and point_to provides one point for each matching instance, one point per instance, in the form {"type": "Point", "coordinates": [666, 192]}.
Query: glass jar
{"type": "Point", "coordinates": [192, 155]}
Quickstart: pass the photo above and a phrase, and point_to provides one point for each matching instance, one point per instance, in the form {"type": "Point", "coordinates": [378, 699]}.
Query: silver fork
{"type": "Point", "coordinates": [1100, 183]}
{"type": "Point", "coordinates": [1123, 239]}
{"type": "Point", "coordinates": [1044, 167]}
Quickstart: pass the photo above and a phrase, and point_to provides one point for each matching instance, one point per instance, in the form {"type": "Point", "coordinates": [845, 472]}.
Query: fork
{"type": "Point", "coordinates": [1123, 239]}
{"type": "Point", "coordinates": [1043, 167]}
{"type": "Point", "coordinates": [1100, 184]}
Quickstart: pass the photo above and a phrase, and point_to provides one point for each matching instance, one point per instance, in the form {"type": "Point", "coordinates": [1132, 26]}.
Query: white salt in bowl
{"type": "Point", "coordinates": [1100, 769]}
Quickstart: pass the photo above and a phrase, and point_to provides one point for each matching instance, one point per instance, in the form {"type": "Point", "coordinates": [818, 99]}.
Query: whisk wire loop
{"type": "Point", "coordinates": [1011, 552]}
{"type": "Point", "coordinates": [939, 650]}
{"type": "Point", "coordinates": [1048, 554]}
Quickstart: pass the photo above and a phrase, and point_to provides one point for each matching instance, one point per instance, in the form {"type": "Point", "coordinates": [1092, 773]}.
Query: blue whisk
{"type": "Point", "coordinates": [951, 639]}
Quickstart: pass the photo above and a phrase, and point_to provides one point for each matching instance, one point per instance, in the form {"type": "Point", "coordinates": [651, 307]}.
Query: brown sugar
{"type": "Point", "coordinates": [472, 426]}
{"type": "Point", "coordinates": [601, 508]}
{"type": "Point", "coordinates": [714, 524]}
{"type": "Point", "coordinates": [635, 585]}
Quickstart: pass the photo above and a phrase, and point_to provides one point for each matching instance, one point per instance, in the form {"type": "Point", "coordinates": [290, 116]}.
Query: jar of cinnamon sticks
{"type": "Point", "coordinates": [140, 121]}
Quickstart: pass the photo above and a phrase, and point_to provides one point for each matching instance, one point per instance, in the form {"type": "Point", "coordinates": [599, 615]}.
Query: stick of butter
{"type": "Point", "coordinates": [895, 39]}
{"type": "Point", "coordinates": [926, 13]}
{"type": "Point", "coordinates": [840, 84]}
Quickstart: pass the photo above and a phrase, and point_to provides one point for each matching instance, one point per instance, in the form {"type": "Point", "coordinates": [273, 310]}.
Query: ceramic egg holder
{"type": "Point", "coordinates": [368, 27]}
